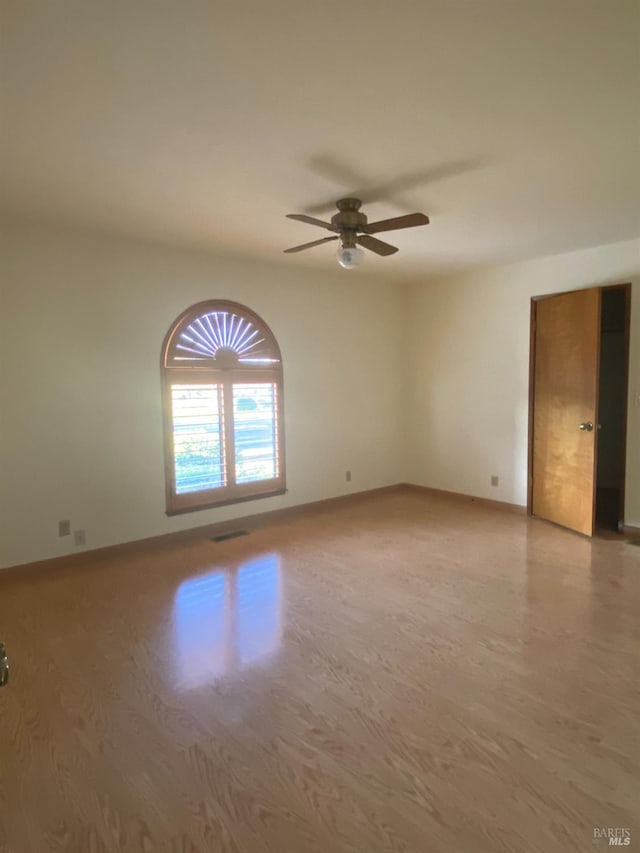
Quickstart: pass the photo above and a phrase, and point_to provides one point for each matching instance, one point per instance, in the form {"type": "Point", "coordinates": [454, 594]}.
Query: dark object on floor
{"type": "Point", "coordinates": [4, 666]}
{"type": "Point", "coordinates": [232, 535]}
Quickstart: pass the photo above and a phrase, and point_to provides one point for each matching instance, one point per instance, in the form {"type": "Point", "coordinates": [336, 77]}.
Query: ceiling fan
{"type": "Point", "coordinates": [353, 230]}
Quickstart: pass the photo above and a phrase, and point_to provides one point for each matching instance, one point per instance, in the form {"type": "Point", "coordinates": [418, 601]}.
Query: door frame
{"type": "Point", "coordinates": [626, 287]}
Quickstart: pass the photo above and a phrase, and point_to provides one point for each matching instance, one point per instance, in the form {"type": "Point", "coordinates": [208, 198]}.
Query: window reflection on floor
{"type": "Point", "coordinates": [227, 620]}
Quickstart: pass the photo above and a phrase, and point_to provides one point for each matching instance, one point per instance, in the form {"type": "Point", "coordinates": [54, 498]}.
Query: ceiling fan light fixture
{"type": "Point", "coordinates": [349, 256]}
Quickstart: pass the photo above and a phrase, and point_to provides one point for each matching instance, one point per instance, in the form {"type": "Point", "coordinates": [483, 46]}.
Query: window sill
{"type": "Point", "coordinates": [225, 502]}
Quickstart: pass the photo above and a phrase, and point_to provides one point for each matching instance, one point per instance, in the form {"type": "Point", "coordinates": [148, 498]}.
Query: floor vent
{"type": "Point", "coordinates": [233, 534]}
{"type": "Point", "coordinates": [634, 542]}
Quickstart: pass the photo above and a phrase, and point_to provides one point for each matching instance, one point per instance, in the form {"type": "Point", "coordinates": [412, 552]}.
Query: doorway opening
{"type": "Point", "coordinates": [612, 408]}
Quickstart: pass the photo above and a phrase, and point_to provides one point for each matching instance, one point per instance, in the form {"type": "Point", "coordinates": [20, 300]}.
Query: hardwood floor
{"type": "Point", "coordinates": [407, 673]}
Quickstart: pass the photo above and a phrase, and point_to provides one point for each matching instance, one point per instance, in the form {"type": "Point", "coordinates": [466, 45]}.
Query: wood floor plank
{"type": "Point", "coordinates": [402, 674]}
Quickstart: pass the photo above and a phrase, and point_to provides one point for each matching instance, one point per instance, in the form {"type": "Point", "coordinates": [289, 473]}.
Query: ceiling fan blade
{"type": "Point", "coordinates": [311, 221]}
{"type": "Point", "coordinates": [310, 245]}
{"type": "Point", "coordinates": [376, 246]}
{"type": "Point", "coordinates": [408, 221]}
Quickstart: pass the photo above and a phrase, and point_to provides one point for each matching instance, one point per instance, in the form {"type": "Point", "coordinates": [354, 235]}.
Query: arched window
{"type": "Point", "coordinates": [222, 386]}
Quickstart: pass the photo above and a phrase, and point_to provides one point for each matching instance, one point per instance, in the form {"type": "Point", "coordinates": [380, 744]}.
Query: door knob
{"type": "Point", "coordinates": [587, 426]}
{"type": "Point", "coordinates": [4, 666]}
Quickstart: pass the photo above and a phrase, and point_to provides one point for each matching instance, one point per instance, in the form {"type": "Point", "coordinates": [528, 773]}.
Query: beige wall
{"type": "Point", "coordinates": [426, 383]}
{"type": "Point", "coordinates": [468, 360]}
{"type": "Point", "coordinates": [82, 321]}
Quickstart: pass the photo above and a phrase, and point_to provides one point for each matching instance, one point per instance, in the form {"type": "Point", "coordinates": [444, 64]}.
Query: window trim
{"type": "Point", "coordinates": [228, 376]}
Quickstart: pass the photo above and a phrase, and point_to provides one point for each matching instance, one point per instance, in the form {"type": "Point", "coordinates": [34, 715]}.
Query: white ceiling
{"type": "Point", "coordinates": [515, 124]}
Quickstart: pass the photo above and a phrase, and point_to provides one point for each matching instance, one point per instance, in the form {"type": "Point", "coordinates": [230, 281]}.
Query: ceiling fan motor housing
{"type": "Point", "coordinates": [349, 220]}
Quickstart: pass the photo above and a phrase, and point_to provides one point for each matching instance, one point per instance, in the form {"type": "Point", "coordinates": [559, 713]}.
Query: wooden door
{"type": "Point", "coordinates": [566, 354]}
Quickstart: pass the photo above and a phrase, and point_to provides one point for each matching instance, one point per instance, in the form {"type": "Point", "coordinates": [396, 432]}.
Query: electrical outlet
{"type": "Point", "coordinates": [64, 528]}
{"type": "Point", "coordinates": [636, 399]}
{"type": "Point", "coordinates": [347, 476]}
{"type": "Point", "coordinates": [495, 480]}
{"type": "Point", "coordinates": [79, 537]}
